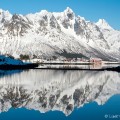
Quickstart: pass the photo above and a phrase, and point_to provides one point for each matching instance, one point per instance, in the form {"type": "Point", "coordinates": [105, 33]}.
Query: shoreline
{"type": "Point", "coordinates": [117, 69]}
{"type": "Point", "coordinates": [19, 67]}
{"type": "Point", "coordinates": [35, 66]}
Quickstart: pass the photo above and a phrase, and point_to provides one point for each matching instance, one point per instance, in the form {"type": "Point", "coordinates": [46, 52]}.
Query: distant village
{"type": "Point", "coordinates": [68, 60]}
{"type": "Point", "coordinates": [54, 59]}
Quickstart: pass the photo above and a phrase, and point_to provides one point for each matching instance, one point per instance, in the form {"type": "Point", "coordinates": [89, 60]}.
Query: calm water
{"type": "Point", "coordinates": [59, 95]}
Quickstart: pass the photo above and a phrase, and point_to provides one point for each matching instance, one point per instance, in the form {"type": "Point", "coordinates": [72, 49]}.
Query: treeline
{"type": "Point", "coordinates": [21, 57]}
{"type": "Point", "coordinates": [24, 57]}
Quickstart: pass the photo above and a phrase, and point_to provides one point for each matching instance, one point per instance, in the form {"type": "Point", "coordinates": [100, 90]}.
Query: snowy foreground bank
{"type": "Point", "coordinates": [7, 63]}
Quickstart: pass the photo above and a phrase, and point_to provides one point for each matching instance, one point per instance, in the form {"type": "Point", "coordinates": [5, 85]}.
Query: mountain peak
{"type": "Point", "coordinates": [103, 24]}
{"type": "Point", "coordinates": [1, 11]}
{"type": "Point", "coordinates": [44, 12]}
{"type": "Point", "coordinates": [69, 10]}
{"type": "Point", "coordinates": [69, 13]}
{"type": "Point", "coordinates": [6, 15]}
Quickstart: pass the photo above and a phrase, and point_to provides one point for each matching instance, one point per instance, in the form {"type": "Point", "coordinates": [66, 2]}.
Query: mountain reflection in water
{"type": "Point", "coordinates": [46, 90]}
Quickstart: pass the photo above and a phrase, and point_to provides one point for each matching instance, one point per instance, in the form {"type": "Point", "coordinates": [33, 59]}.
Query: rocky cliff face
{"type": "Point", "coordinates": [47, 34]}
{"type": "Point", "coordinates": [57, 90]}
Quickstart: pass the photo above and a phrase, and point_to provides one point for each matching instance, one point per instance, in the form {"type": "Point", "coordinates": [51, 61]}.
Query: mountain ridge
{"type": "Point", "coordinates": [46, 33]}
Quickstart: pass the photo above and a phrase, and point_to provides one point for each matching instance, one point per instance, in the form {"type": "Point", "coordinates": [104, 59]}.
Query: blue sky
{"type": "Point", "coordinates": [90, 9]}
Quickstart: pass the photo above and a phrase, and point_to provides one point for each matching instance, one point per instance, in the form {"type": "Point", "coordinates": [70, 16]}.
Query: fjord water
{"type": "Point", "coordinates": [59, 95]}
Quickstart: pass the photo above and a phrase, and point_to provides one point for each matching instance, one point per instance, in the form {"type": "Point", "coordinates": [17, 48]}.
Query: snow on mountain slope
{"type": "Point", "coordinates": [103, 24]}
{"type": "Point", "coordinates": [47, 34]}
{"type": "Point", "coordinates": [112, 36]}
{"type": "Point", "coordinates": [57, 90]}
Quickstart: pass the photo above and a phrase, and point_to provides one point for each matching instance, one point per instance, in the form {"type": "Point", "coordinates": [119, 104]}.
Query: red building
{"type": "Point", "coordinates": [96, 60]}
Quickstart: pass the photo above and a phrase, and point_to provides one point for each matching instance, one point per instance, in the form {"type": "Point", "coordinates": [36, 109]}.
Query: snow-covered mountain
{"type": "Point", "coordinates": [47, 34]}
{"type": "Point", "coordinates": [46, 90]}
